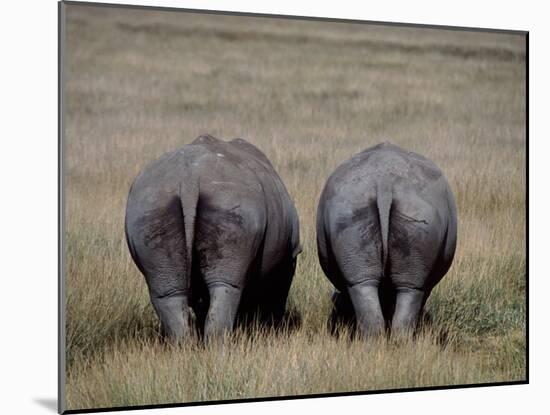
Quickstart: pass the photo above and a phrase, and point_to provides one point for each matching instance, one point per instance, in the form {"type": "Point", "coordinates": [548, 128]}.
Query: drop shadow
{"type": "Point", "coordinates": [48, 403]}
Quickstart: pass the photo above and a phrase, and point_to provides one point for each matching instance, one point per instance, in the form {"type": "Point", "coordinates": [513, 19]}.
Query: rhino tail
{"type": "Point", "coordinates": [189, 197]}
{"type": "Point", "coordinates": [384, 198]}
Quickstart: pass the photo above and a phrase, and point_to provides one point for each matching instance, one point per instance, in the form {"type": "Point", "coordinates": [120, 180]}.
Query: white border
{"type": "Point", "coordinates": [29, 208]}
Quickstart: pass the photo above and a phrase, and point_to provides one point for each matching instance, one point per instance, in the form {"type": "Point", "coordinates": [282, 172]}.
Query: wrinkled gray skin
{"type": "Point", "coordinates": [215, 233]}
{"type": "Point", "coordinates": [386, 235]}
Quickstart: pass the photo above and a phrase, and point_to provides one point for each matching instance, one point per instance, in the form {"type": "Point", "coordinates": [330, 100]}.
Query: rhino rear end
{"type": "Point", "coordinates": [386, 235]}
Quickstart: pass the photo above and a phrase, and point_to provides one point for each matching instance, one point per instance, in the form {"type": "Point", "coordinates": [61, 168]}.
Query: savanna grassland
{"type": "Point", "coordinates": [309, 95]}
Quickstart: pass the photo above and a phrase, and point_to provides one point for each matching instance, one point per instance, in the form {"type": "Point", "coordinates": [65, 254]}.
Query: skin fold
{"type": "Point", "coordinates": [386, 235]}
{"type": "Point", "coordinates": [212, 228]}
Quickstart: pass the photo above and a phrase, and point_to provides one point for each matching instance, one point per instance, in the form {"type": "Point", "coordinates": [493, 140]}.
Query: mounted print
{"type": "Point", "coordinates": [260, 207]}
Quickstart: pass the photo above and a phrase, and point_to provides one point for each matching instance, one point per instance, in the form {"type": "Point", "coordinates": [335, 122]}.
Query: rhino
{"type": "Point", "coordinates": [215, 233]}
{"type": "Point", "coordinates": [386, 235]}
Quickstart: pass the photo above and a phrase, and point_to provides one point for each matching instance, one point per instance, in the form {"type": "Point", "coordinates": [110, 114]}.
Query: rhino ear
{"type": "Point", "coordinates": [297, 251]}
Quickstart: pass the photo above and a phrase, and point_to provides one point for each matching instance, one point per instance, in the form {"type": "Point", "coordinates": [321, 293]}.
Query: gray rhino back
{"type": "Point", "coordinates": [386, 217]}
{"type": "Point", "coordinates": [211, 221]}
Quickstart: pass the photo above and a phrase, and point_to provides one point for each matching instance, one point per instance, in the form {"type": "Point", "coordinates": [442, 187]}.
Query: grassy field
{"type": "Point", "coordinates": [309, 95]}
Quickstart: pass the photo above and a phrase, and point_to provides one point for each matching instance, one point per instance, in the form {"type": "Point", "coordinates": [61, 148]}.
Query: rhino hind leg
{"type": "Point", "coordinates": [171, 300]}
{"type": "Point", "coordinates": [175, 316]}
{"type": "Point", "coordinates": [359, 257]}
{"type": "Point", "coordinates": [408, 310]}
{"type": "Point", "coordinates": [415, 242]}
{"type": "Point", "coordinates": [157, 244]}
{"type": "Point", "coordinates": [222, 310]}
{"type": "Point", "coordinates": [368, 311]}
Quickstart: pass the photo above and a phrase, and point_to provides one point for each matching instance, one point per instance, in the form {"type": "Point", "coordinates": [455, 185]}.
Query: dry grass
{"type": "Point", "coordinates": [309, 95]}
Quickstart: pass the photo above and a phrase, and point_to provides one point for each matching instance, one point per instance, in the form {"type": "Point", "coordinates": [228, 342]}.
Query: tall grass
{"type": "Point", "coordinates": [309, 95]}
